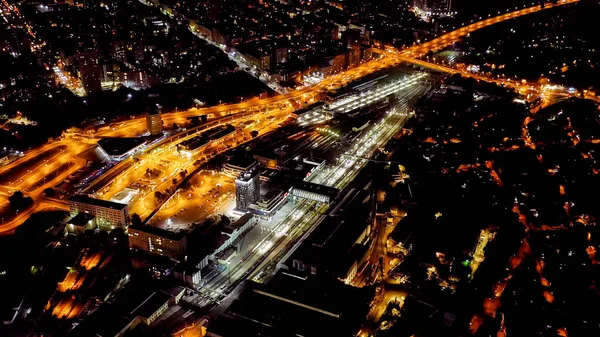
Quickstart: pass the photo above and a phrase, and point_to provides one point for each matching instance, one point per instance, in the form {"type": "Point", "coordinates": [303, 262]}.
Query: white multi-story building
{"type": "Point", "coordinates": [108, 214]}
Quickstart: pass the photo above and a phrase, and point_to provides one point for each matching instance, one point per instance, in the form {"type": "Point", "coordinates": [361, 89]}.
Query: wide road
{"type": "Point", "coordinates": [413, 54]}
{"type": "Point", "coordinates": [451, 37]}
{"type": "Point", "coordinates": [51, 164]}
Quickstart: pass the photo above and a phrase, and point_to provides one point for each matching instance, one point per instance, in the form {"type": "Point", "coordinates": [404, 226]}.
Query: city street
{"type": "Point", "coordinates": [224, 168]}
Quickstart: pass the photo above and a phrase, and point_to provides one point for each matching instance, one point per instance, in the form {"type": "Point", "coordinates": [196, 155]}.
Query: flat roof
{"type": "Point", "coordinates": [323, 234]}
{"type": "Point", "coordinates": [142, 257]}
{"type": "Point", "coordinates": [225, 254]}
{"type": "Point", "coordinates": [271, 194]}
{"type": "Point", "coordinates": [349, 200]}
{"type": "Point", "coordinates": [218, 131]}
{"type": "Point", "coordinates": [404, 229]}
{"type": "Point", "coordinates": [159, 232]}
{"type": "Point", "coordinates": [120, 146]}
{"type": "Point", "coordinates": [104, 321]}
{"type": "Point", "coordinates": [327, 295]}
{"type": "Point", "coordinates": [206, 136]}
{"type": "Point", "coordinates": [288, 303]}
{"type": "Point", "coordinates": [187, 267]}
{"type": "Point", "coordinates": [193, 143]}
{"type": "Point", "coordinates": [203, 242]}
{"type": "Point", "coordinates": [110, 319]}
{"type": "Point", "coordinates": [354, 254]}
{"type": "Point", "coordinates": [240, 222]}
{"type": "Point", "coordinates": [84, 198]}
{"type": "Point", "coordinates": [241, 162]}
{"type": "Point", "coordinates": [311, 107]}
{"type": "Point", "coordinates": [124, 196]}
{"type": "Point", "coordinates": [174, 291]}
{"type": "Point", "coordinates": [81, 219]}
{"type": "Point", "coordinates": [151, 304]}
{"type": "Point", "coordinates": [316, 188]}
{"type": "Point", "coordinates": [248, 174]}
{"type": "Point", "coordinates": [268, 154]}
{"type": "Point", "coordinates": [300, 169]}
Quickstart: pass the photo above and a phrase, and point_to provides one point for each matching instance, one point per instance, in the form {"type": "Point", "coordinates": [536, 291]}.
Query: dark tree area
{"type": "Point", "coordinates": [18, 201]}
{"type": "Point", "coordinates": [136, 220]}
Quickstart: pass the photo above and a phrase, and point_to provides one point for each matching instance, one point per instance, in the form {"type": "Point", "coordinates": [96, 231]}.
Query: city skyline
{"type": "Point", "coordinates": [339, 168]}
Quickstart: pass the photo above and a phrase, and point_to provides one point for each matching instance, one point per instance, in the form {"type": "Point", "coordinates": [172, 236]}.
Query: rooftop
{"type": "Point", "coordinates": [151, 304]}
{"type": "Point", "coordinates": [204, 241]}
{"type": "Point", "coordinates": [297, 306]}
{"type": "Point", "coordinates": [316, 188]}
{"type": "Point", "coordinates": [83, 198]}
{"type": "Point", "coordinates": [179, 235]}
{"type": "Point", "coordinates": [270, 195]}
{"type": "Point", "coordinates": [404, 230]}
{"type": "Point", "coordinates": [333, 244]}
{"type": "Point", "coordinates": [218, 132]}
{"type": "Point", "coordinates": [242, 162]}
{"type": "Point", "coordinates": [249, 173]}
{"type": "Point", "coordinates": [81, 219]}
{"type": "Point", "coordinates": [301, 169]}
{"type": "Point", "coordinates": [230, 228]}
{"type": "Point", "coordinates": [138, 300]}
{"type": "Point", "coordinates": [311, 107]}
{"type": "Point", "coordinates": [120, 146]}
